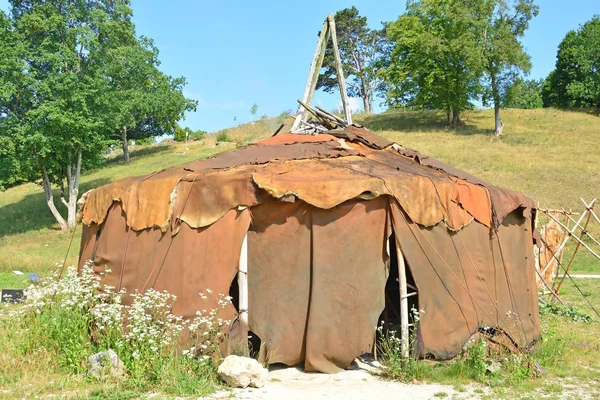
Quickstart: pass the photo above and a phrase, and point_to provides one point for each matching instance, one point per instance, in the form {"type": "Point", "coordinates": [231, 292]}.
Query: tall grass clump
{"type": "Point", "coordinates": [480, 361]}
{"type": "Point", "coordinates": [66, 319]}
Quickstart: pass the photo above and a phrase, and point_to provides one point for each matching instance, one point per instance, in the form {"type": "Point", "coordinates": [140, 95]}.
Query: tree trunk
{"type": "Point", "coordinates": [50, 200]}
{"type": "Point", "coordinates": [456, 121]}
{"type": "Point", "coordinates": [366, 107]}
{"type": "Point", "coordinates": [74, 193]}
{"type": "Point", "coordinates": [366, 98]}
{"type": "Point", "coordinates": [498, 125]}
{"type": "Point", "coordinates": [125, 145]}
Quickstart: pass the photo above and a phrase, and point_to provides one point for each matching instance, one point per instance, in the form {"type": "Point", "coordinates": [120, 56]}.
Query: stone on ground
{"type": "Point", "coordinates": [241, 372]}
{"type": "Point", "coordinates": [106, 363]}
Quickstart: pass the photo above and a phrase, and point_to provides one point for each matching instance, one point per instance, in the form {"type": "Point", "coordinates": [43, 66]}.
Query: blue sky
{"type": "Point", "coordinates": [236, 53]}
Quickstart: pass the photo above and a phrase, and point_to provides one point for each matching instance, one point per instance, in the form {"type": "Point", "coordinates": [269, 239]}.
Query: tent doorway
{"type": "Point", "coordinates": [391, 319]}
{"type": "Point", "coordinates": [251, 347]}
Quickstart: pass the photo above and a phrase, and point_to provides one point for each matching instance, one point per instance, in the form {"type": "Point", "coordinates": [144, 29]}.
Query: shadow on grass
{"type": "Point", "coordinates": [141, 152]}
{"type": "Point", "coordinates": [421, 121]}
{"type": "Point", "coordinates": [32, 212]}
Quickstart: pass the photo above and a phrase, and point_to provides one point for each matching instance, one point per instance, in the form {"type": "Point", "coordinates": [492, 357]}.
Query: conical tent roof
{"type": "Point", "coordinates": [323, 170]}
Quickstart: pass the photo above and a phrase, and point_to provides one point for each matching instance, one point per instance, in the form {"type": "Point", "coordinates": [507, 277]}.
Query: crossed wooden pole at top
{"type": "Point", "coordinates": [327, 32]}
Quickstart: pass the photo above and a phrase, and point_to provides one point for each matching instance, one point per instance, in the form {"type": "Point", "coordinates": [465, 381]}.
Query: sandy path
{"type": "Point", "coordinates": [356, 383]}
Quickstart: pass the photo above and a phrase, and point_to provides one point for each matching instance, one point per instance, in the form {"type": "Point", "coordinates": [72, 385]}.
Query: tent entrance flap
{"type": "Point", "coordinates": [393, 319]}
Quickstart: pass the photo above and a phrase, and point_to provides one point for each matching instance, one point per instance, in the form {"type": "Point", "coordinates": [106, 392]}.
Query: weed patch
{"type": "Point", "coordinates": [571, 312]}
{"type": "Point", "coordinates": [65, 320]}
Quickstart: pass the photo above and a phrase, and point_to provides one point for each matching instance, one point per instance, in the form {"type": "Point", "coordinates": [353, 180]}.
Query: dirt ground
{"type": "Point", "coordinates": [357, 383]}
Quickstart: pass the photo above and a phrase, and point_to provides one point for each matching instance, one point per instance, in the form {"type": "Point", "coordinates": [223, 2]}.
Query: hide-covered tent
{"type": "Point", "coordinates": [326, 218]}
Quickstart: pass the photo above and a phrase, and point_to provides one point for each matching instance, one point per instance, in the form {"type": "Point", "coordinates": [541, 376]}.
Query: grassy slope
{"type": "Point", "coordinates": [549, 155]}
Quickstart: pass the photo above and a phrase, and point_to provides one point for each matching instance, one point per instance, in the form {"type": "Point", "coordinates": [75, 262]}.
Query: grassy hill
{"type": "Point", "coordinates": [550, 155]}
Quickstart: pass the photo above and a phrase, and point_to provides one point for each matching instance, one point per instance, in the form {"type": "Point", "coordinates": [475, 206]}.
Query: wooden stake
{"type": "Point", "coordinates": [340, 71]}
{"type": "Point", "coordinates": [404, 342]}
{"type": "Point", "coordinates": [315, 68]}
{"type": "Point", "coordinates": [549, 288]}
{"type": "Point", "coordinates": [575, 237]}
{"type": "Point", "coordinates": [557, 289]}
{"type": "Point", "coordinates": [589, 207]}
{"type": "Point", "coordinates": [243, 288]}
{"type": "Point", "coordinates": [566, 239]}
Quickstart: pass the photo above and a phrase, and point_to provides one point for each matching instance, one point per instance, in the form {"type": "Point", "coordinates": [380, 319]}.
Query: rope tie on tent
{"type": "Point", "coordinates": [508, 281]}
{"type": "Point", "coordinates": [62, 269]}
{"type": "Point", "coordinates": [482, 283]}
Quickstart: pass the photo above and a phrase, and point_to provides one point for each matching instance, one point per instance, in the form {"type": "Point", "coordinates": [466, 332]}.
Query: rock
{"type": "Point", "coordinates": [106, 362]}
{"type": "Point", "coordinates": [493, 366]}
{"type": "Point", "coordinates": [241, 372]}
{"type": "Point", "coordinates": [539, 370]}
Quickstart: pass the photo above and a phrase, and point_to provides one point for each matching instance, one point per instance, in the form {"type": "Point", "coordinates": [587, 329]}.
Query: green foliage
{"type": "Point", "coordinates": [181, 134]}
{"type": "Point", "coordinates": [143, 99]}
{"type": "Point", "coordinates": [363, 52]}
{"type": "Point", "coordinates": [73, 75]}
{"type": "Point", "coordinates": [436, 61]}
{"type": "Point", "coordinates": [447, 53]}
{"type": "Point", "coordinates": [575, 82]}
{"type": "Point", "coordinates": [525, 94]}
{"type": "Point", "coordinates": [145, 141]}
{"type": "Point", "coordinates": [476, 359]}
{"type": "Point", "coordinates": [198, 135]}
{"type": "Point", "coordinates": [571, 312]}
{"type": "Point", "coordinates": [76, 316]}
{"type": "Point", "coordinates": [254, 109]}
{"type": "Point", "coordinates": [223, 137]}
{"type": "Point", "coordinates": [503, 23]}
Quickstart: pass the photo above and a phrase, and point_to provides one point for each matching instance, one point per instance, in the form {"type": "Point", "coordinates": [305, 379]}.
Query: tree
{"type": "Point", "coordinates": [182, 134]}
{"type": "Point", "coordinates": [553, 92]}
{"type": "Point", "coordinates": [503, 23]}
{"type": "Point", "coordinates": [436, 61]}
{"type": "Point", "coordinates": [575, 82]}
{"type": "Point", "coordinates": [363, 52]}
{"type": "Point", "coordinates": [143, 101]}
{"type": "Point", "coordinates": [51, 107]}
{"type": "Point", "coordinates": [59, 102]}
{"type": "Point", "coordinates": [254, 109]}
{"type": "Point", "coordinates": [11, 98]}
{"type": "Point", "coordinates": [523, 93]}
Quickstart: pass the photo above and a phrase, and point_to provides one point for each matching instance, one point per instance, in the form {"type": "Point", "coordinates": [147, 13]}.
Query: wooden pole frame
{"type": "Point", "coordinates": [327, 31]}
{"type": "Point", "coordinates": [557, 287]}
{"type": "Point", "coordinates": [566, 239]}
{"type": "Point", "coordinates": [575, 237]}
{"type": "Point", "coordinates": [243, 292]}
{"type": "Point", "coordinates": [340, 71]}
{"type": "Point", "coordinates": [404, 332]}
